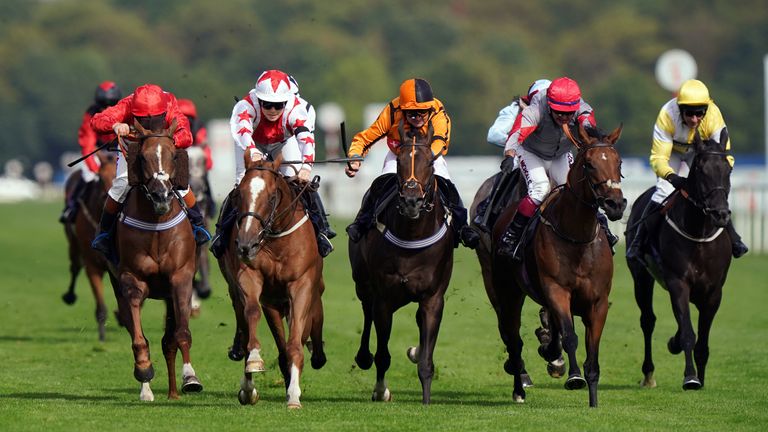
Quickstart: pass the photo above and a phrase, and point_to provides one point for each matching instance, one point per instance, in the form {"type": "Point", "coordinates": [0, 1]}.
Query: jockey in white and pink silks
{"type": "Point", "coordinates": [543, 151]}
{"type": "Point", "coordinates": [273, 119]}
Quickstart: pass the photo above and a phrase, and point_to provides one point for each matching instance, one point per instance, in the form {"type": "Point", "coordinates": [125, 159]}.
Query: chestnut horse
{"type": "Point", "coordinates": [693, 264]}
{"type": "Point", "coordinates": [408, 258]}
{"type": "Point", "coordinates": [156, 250]}
{"type": "Point", "coordinates": [567, 265]}
{"type": "Point", "coordinates": [80, 233]}
{"type": "Point", "coordinates": [272, 262]}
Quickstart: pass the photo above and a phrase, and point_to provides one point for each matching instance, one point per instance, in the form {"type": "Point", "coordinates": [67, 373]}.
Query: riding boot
{"type": "Point", "coordinates": [511, 237]}
{"type": "Point", "coordinates": [102, 242]}
{"type": "Point", "coordinates": [198, 225]}
{"type": "Point", "coordinates": [210, 202]}
{"type": "Point", "coordinates": [498, 190]}
{"type": "Point", "coordinates": [70, 207]}
{"type": "Point", "coordinates": [650, 217]}
{"type": "Point", "coordinates": [612, 238]}
{"type": "Point", "coordinates": [468, 236]}
{"type": "Point", "coordinates": [323, 231]}
{"type": "Point", "coordinates": [738, 248]}
{"type": "Point", "coordinates": [223, 226]}
{"type": "Point", "coordinates": [364, 219]}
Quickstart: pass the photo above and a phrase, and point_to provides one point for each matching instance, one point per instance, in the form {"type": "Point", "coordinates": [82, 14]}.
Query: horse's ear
{"type": "Point", "coordinates": [614, 136]}
{"type": "Point", "coordinates": [180, 178]}
{"type": "Point", "coordinates": [724, 139]}
{"type": "Point", "coordinates": [174, 126]}
{"type": "Point", "coordinates": [135, 173]}
{"type": "Point", "coordinates": [139, 127]}
{"type": "Point", "coordinates": [252, 156]}
{"type": "Point", "coordinates": [401, 129]}
{"type": "Point", "coordinates": [583, 135]}
{"type": "Point", "coordinates": [278, 160]}
{"type": "Point", "coordinates": [698, 143]}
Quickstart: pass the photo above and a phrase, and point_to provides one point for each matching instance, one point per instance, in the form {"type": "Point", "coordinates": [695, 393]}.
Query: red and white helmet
{"type": "Point", "coordinates": [149, 100]}
{"type": "Point", "coordinates": [273, 86]}
{"type": "Point", "coordinates": [564, 95]}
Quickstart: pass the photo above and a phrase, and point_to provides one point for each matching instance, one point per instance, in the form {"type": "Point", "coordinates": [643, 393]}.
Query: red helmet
{"type": "Point", "coordinates": [564, 95]}
{"type": "Point", "coordinates": [273, 86]}
{"type": "Point", "coordinates": [149, 100]}
{"type": "Point", "coordinates": [107, 94]}
{"type": "Point", "coordinates": [187, 107]}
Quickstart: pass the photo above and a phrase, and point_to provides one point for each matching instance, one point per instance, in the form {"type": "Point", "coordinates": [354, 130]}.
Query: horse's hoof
{"type": "Point", "coordinates": [648, 381]}
{"type": "Point", "coordinates": [69, 298]}
{"type": "Point", "coordinates": [364, 361]}
{"type": "Point", "coordinates": [673, 346]}
{"type": "Point", "coordinates": [204, 292]}
{"type": "Point", "coordinates": [144, 375]}
{"type": "Point", "coordinates": [294, 405]}
{"type": "Point", "coordinates": [384, 396]}
{"type": "Point", "coordinates": [235, 354]}
{"type": "Point", "coordinates": [691, 383]}
{"type": "Point", "coordinates": [556, 369]}
{"type": "Point", "coordinates": [575, 382]}
{"type": "Point", "coordinates": [191, 385]}
{"type": "Point", "coordinates": [516, 398]}
{"type": "Point", "coordinates": [526, 380]}
{"type": "Point", "coordinates": [413, 354]}
{"type": "Point", "coordinates": [248, 398]}
{"type": "Point", "coordinates": [318, 360]}
{"type": "Point", "coordinates": [194, 312]}
{"type": "Point", "coordinates": [254, 366]}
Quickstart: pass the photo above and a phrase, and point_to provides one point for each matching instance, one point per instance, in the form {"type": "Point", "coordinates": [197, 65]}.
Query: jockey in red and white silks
{"type": "Point", "coordinates": [266, 118]}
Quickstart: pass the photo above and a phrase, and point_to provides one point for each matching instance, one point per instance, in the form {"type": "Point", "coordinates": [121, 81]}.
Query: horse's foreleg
{"type": "Point", "coordinates": [644, 299]}
{"type": "Point", "coordinates": [594, 322]}
{"type": "Point", "coordinates": [301, 306]}
{"type": "Point", "coordinates": [515, 347]}
{"type": "Point", "coordinates": [318, 358]}
{"type": "Point", "coordinates": [707, 313]}
{"type": "Point", "coordinates": [364, 358]}
{"type": "Point", "coordinates": [383, 321]}
{"type": "Point", "coordinates": [560, 302]}
{"type": "Point", "coordinates": [181, 286]}
{"type": "Point", "coordinates": [170, 346]}
{"type": "Point", "coordinates": [429, 316]}
{"type": "Point", "coordinates": [132, 293]}
{"type": "Point", "coordinates": [95, 277]}
{"type": "Point", "coordinates": [685, 338]}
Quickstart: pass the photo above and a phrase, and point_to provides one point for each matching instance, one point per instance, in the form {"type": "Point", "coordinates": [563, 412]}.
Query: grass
{"type": "Point", "coordinates": [55, 375]}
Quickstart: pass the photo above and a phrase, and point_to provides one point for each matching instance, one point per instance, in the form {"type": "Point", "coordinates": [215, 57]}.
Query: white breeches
{"type": "Point", "coordinates": [540, 175]}
{"type": "Point", "coordinates": [290, 151]}
{"type": "Point", "coordinates": [88, 175]}
{"type": "Point", "coordinates": [680, 162]}
{"type": "Point", "coordinates": [120, 187]}
{"type": "Point", "coordinates": [390, 165]}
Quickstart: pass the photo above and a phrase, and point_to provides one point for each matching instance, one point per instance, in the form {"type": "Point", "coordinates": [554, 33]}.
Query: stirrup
{"type": "Point", "coordinates": [469, 237]}
{"type": "Point", "coordinates": [354, 232]}
{"type": "Point", "coordinates": [324, 246]}
{"type": "Point", "coordinates": [101, 243]}
{"type": "Point", "coordinates": [202, 236]}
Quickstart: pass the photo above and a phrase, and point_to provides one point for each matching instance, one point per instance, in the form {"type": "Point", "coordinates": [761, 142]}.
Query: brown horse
{"type": "Point", "coordinates": [567, 265]}
{"type": "Point", "coordinates": [80, 233]}
{"type": "Point", "coordinates": [408, 258]}
{"type": "Point", "coordinates": [694, 262]}
{"type": "Point", "coordinates": [272, 262]}
{"type": "Point", "coordinates": [156, 251]}
{"type": "Point", "coordinates": [198, 183]}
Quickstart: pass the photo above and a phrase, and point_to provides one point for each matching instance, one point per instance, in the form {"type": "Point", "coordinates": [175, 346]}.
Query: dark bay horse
{"type": "Point", "coordinates": [156, 250]}
{"type": "Point", "coordinates": [198, 183]}
{"type": "Point", "coordinates": [80, 233]}
{"type": "Point", "coordinates": [272, 263]}
{"type": "Point", "coordinates": [408, 258]}
{"type": "Point", "coordinates": [567, 265]}
{"type": "Point", "coordinates": [693, 263]}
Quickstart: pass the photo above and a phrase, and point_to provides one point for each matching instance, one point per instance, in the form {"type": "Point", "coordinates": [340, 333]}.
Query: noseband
{"type": "Point", "coordinates": [702, 202]}
{"type": "Point", "coordinates": [268, 222]}
{"type": "Point", "coordinates": [413, 183]}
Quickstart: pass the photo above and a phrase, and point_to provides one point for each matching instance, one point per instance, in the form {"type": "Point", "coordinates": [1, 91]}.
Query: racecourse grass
{"type": "Point", "coordinates": [55, 375]}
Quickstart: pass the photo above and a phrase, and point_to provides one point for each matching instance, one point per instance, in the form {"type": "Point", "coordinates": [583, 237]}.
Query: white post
{"type": "Point", "coordinates": [765, 101]}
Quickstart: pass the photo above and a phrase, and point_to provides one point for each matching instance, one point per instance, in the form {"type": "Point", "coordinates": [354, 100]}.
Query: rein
{"type": "Point", "coordinates": [274, 216]}
{"type": "Point", "coordinates": [412, 182]}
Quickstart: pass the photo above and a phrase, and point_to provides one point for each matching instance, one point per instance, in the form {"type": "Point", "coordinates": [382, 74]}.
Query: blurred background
{"type": "Point", "coordinates": [349, 58]}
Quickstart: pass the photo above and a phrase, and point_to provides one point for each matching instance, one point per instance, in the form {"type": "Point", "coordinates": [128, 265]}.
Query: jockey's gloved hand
{"type": "Point", "coordinates": [508, 164]}
{"type": "Point", "coordinates": [677, 181]}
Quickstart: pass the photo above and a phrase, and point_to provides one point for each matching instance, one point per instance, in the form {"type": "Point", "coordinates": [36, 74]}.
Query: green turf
{"type": "Point", "coordinates": [55, 375]}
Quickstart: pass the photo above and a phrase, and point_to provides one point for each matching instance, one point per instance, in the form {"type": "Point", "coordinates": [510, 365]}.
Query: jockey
{"type": "Point", "coordinates": [107, 94]}
{"type": "Point", "coordinates": [200, 139]}
{"type": "Point", "coordinates": [150, 106]}
{"type": "Point", "coordinates": [266, 119]}
{"type": "Point", "coordinates": [671, 153]}
{"type": "Point", "coordinates": [497, 135]}
{"type": "Point", "coordinates": [543, 150]}
{"type": "Point", "coordinates": [419, 108]}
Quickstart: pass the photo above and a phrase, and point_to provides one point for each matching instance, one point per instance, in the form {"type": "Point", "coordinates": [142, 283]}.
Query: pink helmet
{"type": "Point", "coordinates": [149, 100]}
{"type": "Point", "coordinates": [273, 86]}
{"type": "Point", "coordinates": [187, 107]}
{"type": "Point", "coordinates": [564, 95]}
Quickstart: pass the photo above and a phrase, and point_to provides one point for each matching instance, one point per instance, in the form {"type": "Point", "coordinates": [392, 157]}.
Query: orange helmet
{"type": "Point", "coordinates": [564, 95]}
{"type": "Point", "coordinates": [187, 107]}
{"type": "Point", "coordinates": [149, 100]}
{"type": "Point", "coordinates": [415, 94]}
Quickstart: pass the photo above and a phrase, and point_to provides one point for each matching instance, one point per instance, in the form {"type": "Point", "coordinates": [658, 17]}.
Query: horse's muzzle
{"type": "Point", "coordinates": [720, 217]}
{"type": "Point", "coordinates": [410, 207]}
{"type": "Point", "coordinates": [614, 208]}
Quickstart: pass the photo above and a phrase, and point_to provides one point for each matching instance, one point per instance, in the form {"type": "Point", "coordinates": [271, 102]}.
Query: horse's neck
{"type": "Point", "coordinates": [409, 229]}
{"type": "Point", "coordinates": [690, 218]}
{"type": "Point", "coordinates": [138, 206]}
{"type": "Point", "coordinates": [571, 215]}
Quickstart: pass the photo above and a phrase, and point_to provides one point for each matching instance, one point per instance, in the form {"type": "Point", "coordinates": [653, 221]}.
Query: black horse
{"type": "Point", "coordinates": [693, 262]}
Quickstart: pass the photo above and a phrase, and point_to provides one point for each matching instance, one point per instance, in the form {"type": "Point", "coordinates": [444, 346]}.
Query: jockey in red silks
{"type": "Point", "coordinates": [200, 139]}
{"type": "Point", "coordinates": [273, 119]}
{"type": "Point", "coordinates": [106, 95]}
{"type": "Point", "coordinates": [151, 107]}
{"type": "Point", "coordinates": [542, 144]}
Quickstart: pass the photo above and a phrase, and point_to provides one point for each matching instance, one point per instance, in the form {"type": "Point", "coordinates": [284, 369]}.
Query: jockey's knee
{"type": "Point", "coordinates": [119, 189]}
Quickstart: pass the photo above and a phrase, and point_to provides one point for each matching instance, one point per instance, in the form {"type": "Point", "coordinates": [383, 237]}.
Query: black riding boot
{"type": "Point", "coordinates": [612, 238]}
{"type": "Point", "coordinates": [102, 242]}
{"type": "Point", "coordinates": [469, 237]}
{"type": "Point", "coordinates": [364, 219]}
{"type": "Point", "coordinates": [198, 225]}
{"type": "Point", "coordinates": [486, 207]}
{"type": "Point", "coordinates": [223, 226]}
{"type": "Point", "coordinates": [650, 216]}
{"type": "Point", "coordinates": [311, 200]}
{"type": "Point", "coordinates": [511, 237]}
{"type": "Point", "coordinates": [70, 207]}
{"type": "Point", "coordinates": [738, 248]}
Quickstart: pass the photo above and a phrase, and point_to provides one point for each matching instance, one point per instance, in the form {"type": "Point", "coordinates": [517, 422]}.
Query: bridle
{"type": "Point", "coordinates": [159, 175]}
{"type": "Point", "coordinates": [413, 183]}
{"type": "Point", "coordinates": [597, 199]}
{"type": "Point", "coordinates": [702, 202]}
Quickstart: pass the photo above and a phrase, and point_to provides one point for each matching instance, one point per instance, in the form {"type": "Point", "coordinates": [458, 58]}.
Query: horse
{"type": "Point", "coordinates": [156, 250]}
{"type": "Point", "coordinates": [567, 264]}
{"type": "Point", "coordinates": [198, 183]}
{"type": "Point", "coordinates": [693, 264]}
{"type": "Point", "coordinates": [408, 258]}
{"type": "Point", "coordinates": [272, 262]}
{"type": "Point", "coordinates": [80, 233]}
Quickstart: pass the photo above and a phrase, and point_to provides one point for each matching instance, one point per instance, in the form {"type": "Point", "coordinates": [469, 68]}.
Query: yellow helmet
{"type": "Point", "coordinates": [693, 92]}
